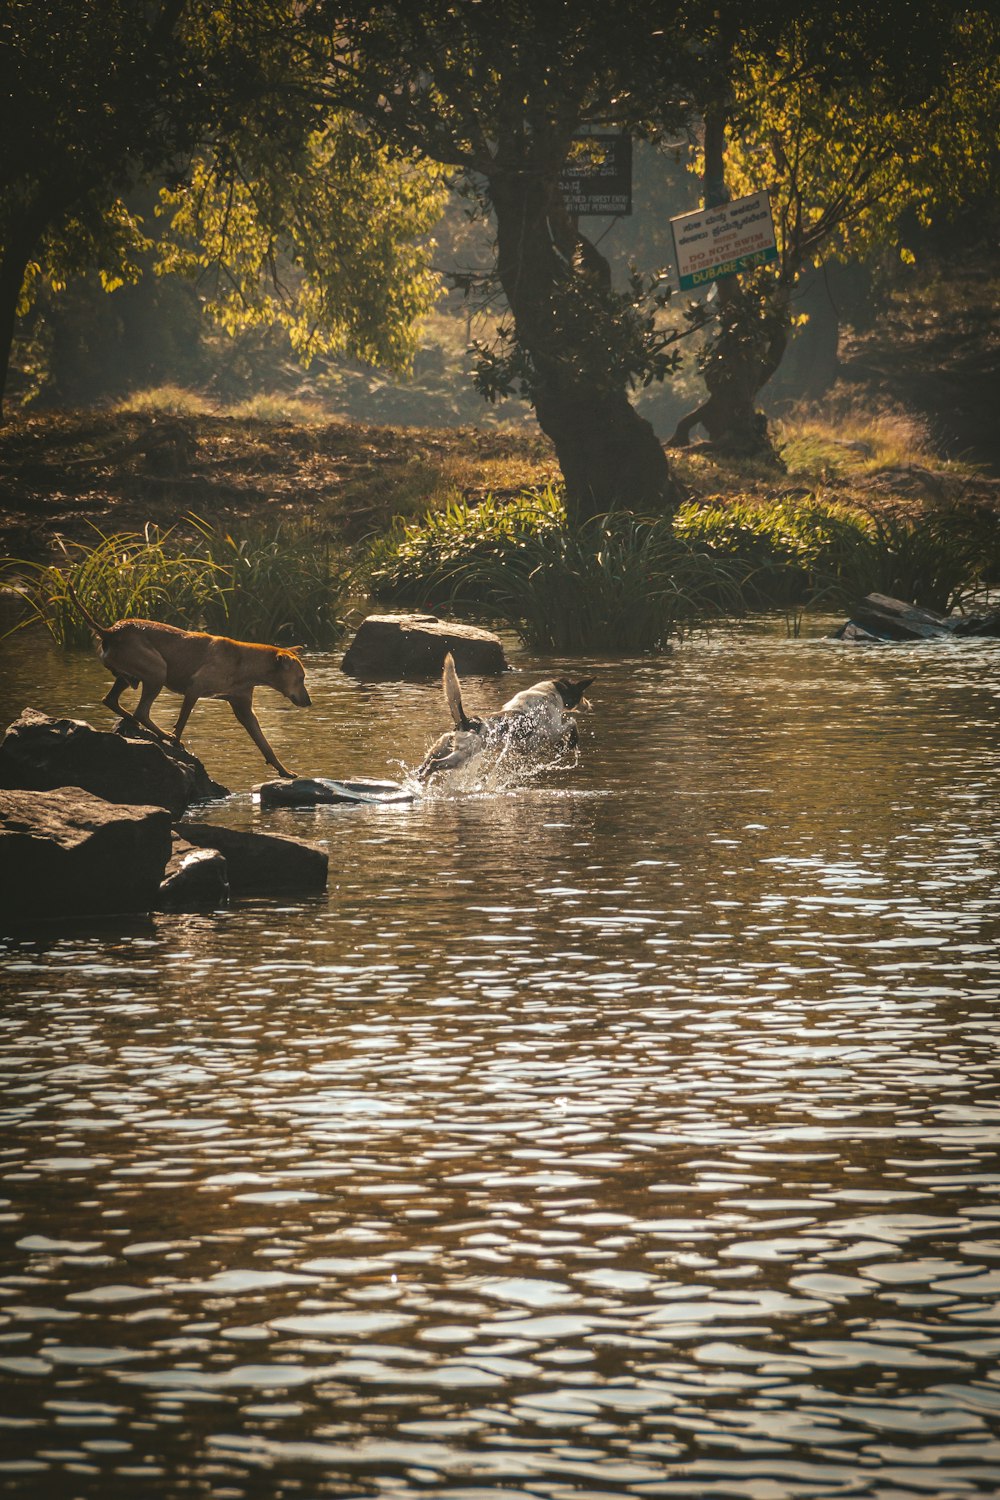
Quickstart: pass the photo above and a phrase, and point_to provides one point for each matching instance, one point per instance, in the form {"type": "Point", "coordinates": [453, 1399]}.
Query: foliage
{"type": "Point", "coordinates": [845, 164]}
{"type": "Point", "coordinates": [327, 245]}
{"type": "Point", "coordinates": [276, 585]}
{"type": "Point", "coordinates": [418, 562]}
{"type": "Point", "coordinates": [619, 583]}
{"type": "Point", "coordinates": [794, 553]}
{"type": "Point", "coordinates": [614, 340]}
{"type": "Point", "coordinates": [305, 219]}
{"type": "Point", "coordinates": [626, 582]}
{"type": "Point", "coordinates": [856, 128]}
{"type": "Point", "coordinates": [124, 575]}
{"type": "Point", "coordinates": [497, 94]}
{"type": "Point", "coordinates": [98, 95]}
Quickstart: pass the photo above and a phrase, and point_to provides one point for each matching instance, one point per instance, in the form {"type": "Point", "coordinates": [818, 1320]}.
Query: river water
{"type": "Point", "coordinates": [626, 1130]}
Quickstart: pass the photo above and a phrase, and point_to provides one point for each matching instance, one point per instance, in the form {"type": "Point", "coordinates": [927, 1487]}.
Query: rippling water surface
{"type": "Point", "coordinates": [632, 1131]}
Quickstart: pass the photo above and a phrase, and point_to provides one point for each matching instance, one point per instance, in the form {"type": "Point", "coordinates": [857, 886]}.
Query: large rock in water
{"type": "Point", "coordinates": [67, 853]}
{"type": "Point", "coordinates": [38, 753]}
{"type": "Point", "coordinates": [879, 617]}
{"type": "Point", "coordinates": [261, 864]}
{"type": "Point", "coordinates": [416, 646]}
{"type": "Point", "coordinates": [194, 880]}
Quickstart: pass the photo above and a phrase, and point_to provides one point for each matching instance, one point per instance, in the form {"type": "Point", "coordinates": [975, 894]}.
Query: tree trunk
{"type": "Point", "coordinates": [13, 264]}
{"type": "Point", "coordinates": [608, 454]}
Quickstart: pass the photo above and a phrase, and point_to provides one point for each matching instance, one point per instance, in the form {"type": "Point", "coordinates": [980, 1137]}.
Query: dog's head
{"type": "Point", "coordinates": [290, 678]}
{"type": "Point", "coordinates": [572, 693]}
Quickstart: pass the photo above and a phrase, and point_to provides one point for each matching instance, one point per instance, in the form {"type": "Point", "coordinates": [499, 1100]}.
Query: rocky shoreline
{"type": "Point", "coordinates": [90, 825]}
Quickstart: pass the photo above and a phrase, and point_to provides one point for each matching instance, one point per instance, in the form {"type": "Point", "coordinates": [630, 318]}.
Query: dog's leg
{"type": "Point", "coordinates": [136, 663]}
{"type": "Point", "coordinates": [190, 699]}
{"type": "Point", "coordinates": [150, 693]}
{"type": "Point", "coordinates": [242, 707]}
{"type": "Point", "coordinates": [114, 692]}
{"type": "Point", "coordinates": [111, 697]}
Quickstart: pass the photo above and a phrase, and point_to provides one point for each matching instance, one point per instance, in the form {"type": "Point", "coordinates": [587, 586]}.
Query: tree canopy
{"type": "Point", "coordinates": [856, 132]}
{"type": "Point", "coordinates": [303, 146]}
{"type": "Point", "coordinates": [302, 217]}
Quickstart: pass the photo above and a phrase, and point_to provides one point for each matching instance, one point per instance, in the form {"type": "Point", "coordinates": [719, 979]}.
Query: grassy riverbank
{"type": "Point", "coordinates": [167, 455]}
{"type": "Point", "coordinates": [222, 518]}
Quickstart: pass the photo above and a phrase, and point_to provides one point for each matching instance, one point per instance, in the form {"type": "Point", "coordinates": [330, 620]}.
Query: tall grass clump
{"type": "Point", "coordinates": [793, 554]}
{"type": "Point", "coordinates": [626, 582]}
{"type": "Point", "coordinates": [780, 554]}
{"type": "Point", "coordinates": [278, 585]}
{"type": "Point", "coordinates": [129, 574]}
{"type": "Point", "coordinates": [282, 584]}
{"type": "Point", "coordinates": [619, 583]}
{"type": "Point", "coordinates": [422, 562]}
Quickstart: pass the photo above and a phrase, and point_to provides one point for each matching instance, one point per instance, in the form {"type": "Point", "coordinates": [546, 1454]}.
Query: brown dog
{"type": "Point", "coordinates": [196, 665]}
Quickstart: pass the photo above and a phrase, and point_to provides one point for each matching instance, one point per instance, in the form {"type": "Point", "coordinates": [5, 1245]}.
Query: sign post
{"type": "Point", "coordinates": [713, 243]}
{"type": "Point", "coordinates": [597, 177]}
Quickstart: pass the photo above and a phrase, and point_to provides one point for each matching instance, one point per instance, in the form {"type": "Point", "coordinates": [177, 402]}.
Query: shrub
{"type": "Point", "coordinates": [620, 583]}
{"type": "Point", "coordinates": [626, 583]}
{"type": "Point", "coordinates": [423, 562]}
{"type": "Point", "coordinates": [282, 584]}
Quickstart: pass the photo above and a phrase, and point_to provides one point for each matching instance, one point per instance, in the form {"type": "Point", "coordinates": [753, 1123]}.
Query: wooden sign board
{"type": "Point", "coordinates": [597, 177]}
{"type": "Point", "coordinates": [715, 242]}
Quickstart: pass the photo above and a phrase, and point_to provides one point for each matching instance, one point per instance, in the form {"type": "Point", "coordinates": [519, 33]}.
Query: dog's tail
{"type": "Point", "coordinates": [453, 694]}
{"type": "Point", "coordinates": [99, 630]}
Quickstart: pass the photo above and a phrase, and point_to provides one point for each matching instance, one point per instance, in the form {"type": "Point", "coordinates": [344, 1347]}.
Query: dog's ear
{"type": "Point", "coordinates": [571, 693]}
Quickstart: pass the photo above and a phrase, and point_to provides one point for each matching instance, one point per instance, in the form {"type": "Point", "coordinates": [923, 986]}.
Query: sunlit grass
{"type": "Point", "coordinates": [853, 442]}
{"type": "Point", "coordinates": [276, 407]}
{"type": "Point", "coordinates": [279, 585]}
{"type": "Point", "coordinates": [628, 582]}
{"type": "Point", "coordinates": [166, 401]}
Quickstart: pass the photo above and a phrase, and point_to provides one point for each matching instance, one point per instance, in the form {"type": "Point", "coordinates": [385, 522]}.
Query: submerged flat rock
{"type": "Point", "coordinates": [320, 791]}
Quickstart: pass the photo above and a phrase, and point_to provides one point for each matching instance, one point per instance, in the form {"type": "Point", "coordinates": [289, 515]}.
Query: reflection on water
{"type": "Point", "coordinates": [631, 1133]}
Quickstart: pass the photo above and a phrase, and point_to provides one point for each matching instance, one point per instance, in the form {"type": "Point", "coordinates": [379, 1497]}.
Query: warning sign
{"type": "Point", "coordinates": [715, 242]}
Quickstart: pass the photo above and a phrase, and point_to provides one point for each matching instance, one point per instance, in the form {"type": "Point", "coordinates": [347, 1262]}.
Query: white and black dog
{"type": "Point", "coordinates": [536, 718]}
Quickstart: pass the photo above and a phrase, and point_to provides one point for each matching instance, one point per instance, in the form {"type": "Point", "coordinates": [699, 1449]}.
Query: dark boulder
{"type": "Point", "coordinates": [392, 646]}
{"type": "Point", "coordinates": [895, 620]}
{"type": "Point", "coordinates": [66, 853]}
{"type": "Point", "coordinates": [38, 753]}
{"type": "Point", "coordinates": [195, 879]}
{"type": "Point", "coordinates": [261, 864]}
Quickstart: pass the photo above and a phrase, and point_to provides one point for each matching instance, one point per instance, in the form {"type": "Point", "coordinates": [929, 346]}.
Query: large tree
{"type": "Point", "coordinates": [497, 94]}
{"type": "Point", "coordinates": [856, 126]}
{"type": "Point", "coordinates": [97, 94]}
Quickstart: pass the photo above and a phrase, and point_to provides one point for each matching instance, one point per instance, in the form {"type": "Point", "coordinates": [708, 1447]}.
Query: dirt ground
{"type": "Point", "coordinates": [934, 354]}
